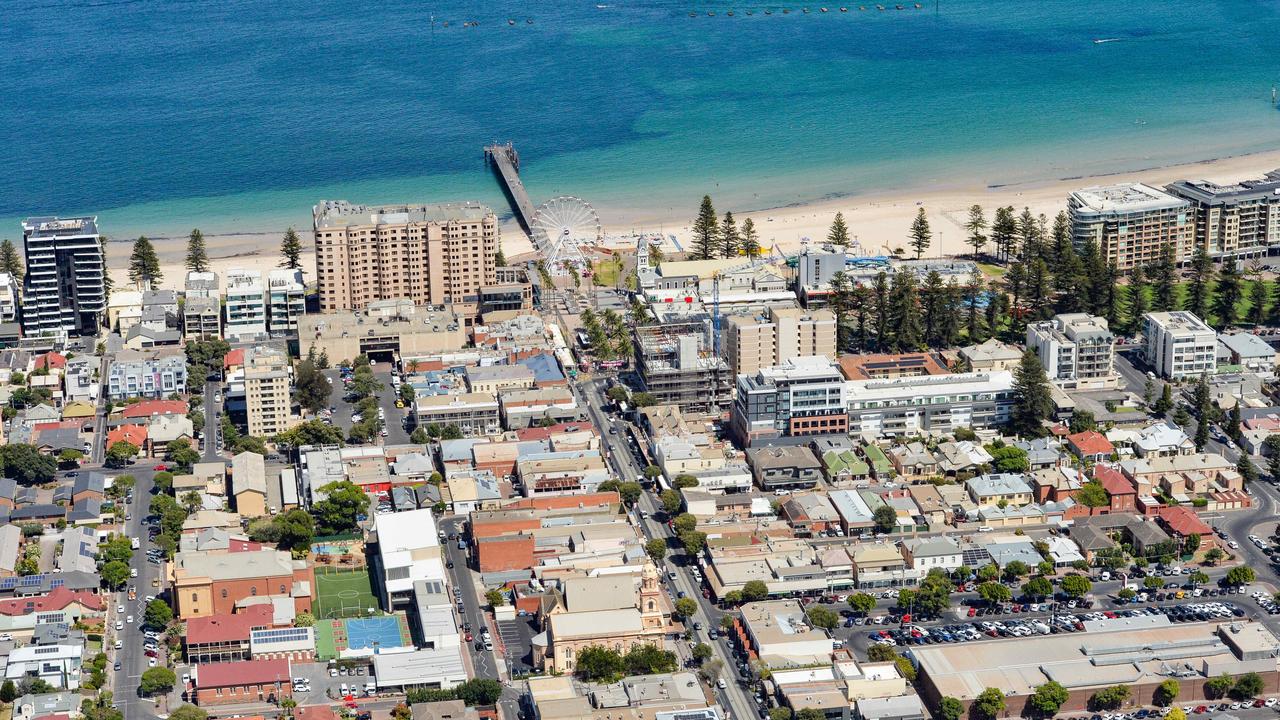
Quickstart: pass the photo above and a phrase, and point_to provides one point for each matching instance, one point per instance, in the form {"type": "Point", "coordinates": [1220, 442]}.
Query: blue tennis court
{"type": "Point", "coordinates": [377, 632]}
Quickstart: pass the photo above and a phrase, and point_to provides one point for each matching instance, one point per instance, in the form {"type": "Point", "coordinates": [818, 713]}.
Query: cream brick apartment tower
{"type": "Point", "coordinates": [431, 254]}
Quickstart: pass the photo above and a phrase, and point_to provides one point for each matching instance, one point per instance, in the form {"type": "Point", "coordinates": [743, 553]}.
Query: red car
{"type": "Point", "coordinates": [973, 612]}
{"type": "Point", "coordinates": [161, 467]}
{"type": "Point", "coordinates": [468, 636]}
{"type": "Point", "coordinates": [1201, 709]}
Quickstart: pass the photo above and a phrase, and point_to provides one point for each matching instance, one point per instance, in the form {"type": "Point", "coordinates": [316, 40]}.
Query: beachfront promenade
{"type": "Point", "coordinates": [506, 163]}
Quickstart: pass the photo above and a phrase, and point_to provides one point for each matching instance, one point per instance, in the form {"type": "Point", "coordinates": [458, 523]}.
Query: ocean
{"type": "Point", "coordinates": [239, 115]}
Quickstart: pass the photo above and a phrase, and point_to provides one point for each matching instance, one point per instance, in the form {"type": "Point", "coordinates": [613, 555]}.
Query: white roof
{"type": "Point", "coordinates": [405, 530]}
{"type": "Point", "coordinates": [862, 391]}
{"type": "Point", "coordinates": [441, 665]}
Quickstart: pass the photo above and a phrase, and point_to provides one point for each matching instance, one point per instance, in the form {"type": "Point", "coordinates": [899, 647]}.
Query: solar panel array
{"type": "Point", "coordinates": [280, 635]}
{"type": "Point", "coordinates": [30, 581]}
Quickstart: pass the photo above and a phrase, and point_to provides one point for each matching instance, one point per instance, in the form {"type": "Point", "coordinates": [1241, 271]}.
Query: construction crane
{"type": "Point", "coordinates": [715, 296]}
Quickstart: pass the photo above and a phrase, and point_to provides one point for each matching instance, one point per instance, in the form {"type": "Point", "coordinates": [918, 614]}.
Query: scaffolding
{"type": "Point", "coordinates": [678, 365]}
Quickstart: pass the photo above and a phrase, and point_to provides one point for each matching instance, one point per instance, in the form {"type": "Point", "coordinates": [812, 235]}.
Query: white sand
{"type": "Point", "coordinates": [878, 221]}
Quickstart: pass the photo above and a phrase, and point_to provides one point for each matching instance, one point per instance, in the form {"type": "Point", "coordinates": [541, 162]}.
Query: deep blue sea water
{"type": "Point", "coordinates": [240, 114]}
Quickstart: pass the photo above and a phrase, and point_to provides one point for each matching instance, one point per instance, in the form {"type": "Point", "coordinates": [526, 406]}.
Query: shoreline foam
{"type": "Point", "coordinates": [879, 221]}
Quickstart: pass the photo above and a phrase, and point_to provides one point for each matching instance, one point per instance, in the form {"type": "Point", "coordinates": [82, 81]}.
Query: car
{"type": "Point", "coordinates": [721, 684]}
{"type": "Point", "coordinates": [119, 644]}
{"type": "Point", "coordinates": [468, 637]}
{"type": "Point", "coordinates": [119, 609]}
{"type": "Point", "coordinates": [117, 666]}
{"type": "Point", "coordinates": [1233, 544]}
{"type": "Point", "coordinates": [161, 468]}
{"type": "Point", "coordinates": [128, 619]}
{"type": "Point", "coordinates": [186, 678]}
{"type": "Point", "coordinates": [333, 672]}
{"type": "Point", "coordinates": [150, 652]}
{"type": "Point", "coordinates": [151, 662]}
{"type": "Point", "coordinates": [119, 624]}
{"type": "Point", "coordinates": [488, 644]}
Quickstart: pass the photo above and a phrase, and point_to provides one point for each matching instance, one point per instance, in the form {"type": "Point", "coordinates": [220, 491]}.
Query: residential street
{"type": "Point", "coordinates": [133, 661]}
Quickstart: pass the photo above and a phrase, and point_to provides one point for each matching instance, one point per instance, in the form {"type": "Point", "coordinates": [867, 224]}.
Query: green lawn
{"type": "Point", "coordinates": [607, 272]}
{"type": "Point", "coordinates": [993, 271]}
{"type": "Point", "coordinates": [343, 593]}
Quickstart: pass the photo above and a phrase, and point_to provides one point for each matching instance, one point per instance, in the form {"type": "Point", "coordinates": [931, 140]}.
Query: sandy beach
{"type": "Point", "coordinates": [879, 222]}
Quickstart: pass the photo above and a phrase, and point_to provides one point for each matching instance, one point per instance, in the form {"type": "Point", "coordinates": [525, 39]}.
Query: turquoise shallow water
{"type": "Point", "coordinates": [241, 114]}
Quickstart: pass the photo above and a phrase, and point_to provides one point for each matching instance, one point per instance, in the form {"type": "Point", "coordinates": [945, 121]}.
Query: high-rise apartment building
{"type": "Point", "coordinates": [1179, 344]}
{"type": "Point", "coordinates": [63, 290]}
{"type": "Point", "coordinates": [756, 341]}
{"type": "Point", "coordinates": [268, 409]}
{"type": "Point", "coordinates": [286, 301]}
{"type": "Point", "coordinates": [1239, 220]}
{"type": "Point", "coordinates": [430, 254]}
{"type": "Point", "coordinates": [1130, 222]}
{"type": "Point", "coordinates": [246, 305]}
{"type": "Point", "coordinates": [1077, 350]}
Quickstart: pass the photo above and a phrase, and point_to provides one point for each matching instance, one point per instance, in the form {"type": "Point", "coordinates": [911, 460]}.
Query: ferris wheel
{"type": "Point", "coordinates": [561, 226]}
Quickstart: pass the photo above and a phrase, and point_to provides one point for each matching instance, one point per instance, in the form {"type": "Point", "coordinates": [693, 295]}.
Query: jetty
{"type": "Point", "coordinates": [505, 162]}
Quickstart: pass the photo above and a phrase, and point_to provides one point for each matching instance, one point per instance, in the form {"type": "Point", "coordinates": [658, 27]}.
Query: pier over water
{"type": "Point", "coordinates": [506, 164]}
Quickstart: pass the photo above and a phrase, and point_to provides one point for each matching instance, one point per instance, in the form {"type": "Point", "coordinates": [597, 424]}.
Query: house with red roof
{"type": "Point", "coordinates": [146, 409]}
{"type": "Point", "coordinates": [77, 602]}
{"type": "Point", "coordinates": [1180, 522]}
{"type": "Point", "coordinates": [135, 434]}
{"type": "Point", "coordinates": [52, 361]}
{"type": "Point", "coordinates": [1124, 496]}
{"type": "Point", "coordinates": [225, 638]}
{"type": "Point", "coordinates": [237, 683]}
{"type": "Point", "coordinates": [233, 360]}
{"type": "Point", "coordinates": [315, 712]}
{"type": "Point", "coordinates": [1091, 446]}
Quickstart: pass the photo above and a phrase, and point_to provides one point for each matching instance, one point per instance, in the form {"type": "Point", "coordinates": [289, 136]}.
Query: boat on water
{"type": "Point", "coordinates": [510, 21]}
{"type": "Point", "coordinates": [844, 9]}
{"type": "Point", "coordinates": [1099, 41]}
{"type": "Point", "coordinates": [730, 13]}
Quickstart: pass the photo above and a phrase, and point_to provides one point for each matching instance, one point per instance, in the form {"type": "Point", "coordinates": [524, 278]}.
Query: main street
{"type": "Point", "coordinates": [677, 561]}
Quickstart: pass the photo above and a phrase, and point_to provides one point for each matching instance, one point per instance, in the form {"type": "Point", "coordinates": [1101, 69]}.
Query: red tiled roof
{"type": "Point", "coordinates": [235, 546]}
{"type": "Point", "coordinates": [226, 628]}
{"type": "Point", "coordinates": [314, 712]}
{"type": "Point", "coordinates": [58, 599]}
{"type": "Point", "coordinates": [542, 433]}
{"type": "Point", "coordinates": [1181, 521]}
{"type": "Point", "coordinates": [135, 434]}
{"type": "Point", "coordinates": [1091, 442]}
{"type": "Point", "coordinates": [53, 716]}
{"type": "Point", "coordinates": [1113, 480]}
{"type": "Point", "coordinates": [50, 360]}
{"type": "Point", "coordinates": [151, 408]}
{"type": "Point", "coordinates": [249, 672]}
{"type": "Point", "coordinates": [232, 359]}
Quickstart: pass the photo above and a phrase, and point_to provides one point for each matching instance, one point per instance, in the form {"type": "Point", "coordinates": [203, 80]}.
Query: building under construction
{"type": "Point", "coordinates": [678, 364]}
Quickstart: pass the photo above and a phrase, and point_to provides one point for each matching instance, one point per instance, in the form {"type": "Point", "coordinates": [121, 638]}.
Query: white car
{"type": "Point", "coordinates": [1233, 545]}
{"type": "Point", "coordinates": [186, 678]}
{"type": "Point", "coordinates": [119, 608]}
{"type": "Point", "coordinates": [128, 619]}
{"type": "Point", "coordinates": [119, 644]}
{"type": "Point", "coordinates": [1271, 702]}
{"type": "Point", "coordinates": [119, 626]}
{"type": "Point", "coordinates": [151, 662]}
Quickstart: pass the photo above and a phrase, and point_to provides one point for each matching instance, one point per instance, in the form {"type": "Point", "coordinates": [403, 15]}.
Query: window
{"type": "Point", "coordinates": [282, 589]}
{"type": "Point", "coordinates": [195, 598]}
{"type": "Point", "coordinates": [224, 593]}
{"type": "Point", "coordinates": [253, 591]}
